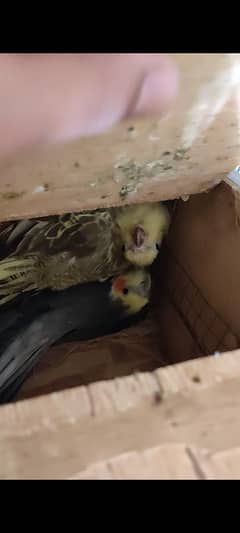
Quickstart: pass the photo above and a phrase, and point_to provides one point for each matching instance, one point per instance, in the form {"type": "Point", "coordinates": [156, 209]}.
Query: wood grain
{"type": "Point", "coordinates": [62, 434]}
{"type": "Point", "coordinates": [163, 462]}
{"type": "Point", "coordinates": [86, 174]}
{"type": "Point", "coordinates": [169, 461]}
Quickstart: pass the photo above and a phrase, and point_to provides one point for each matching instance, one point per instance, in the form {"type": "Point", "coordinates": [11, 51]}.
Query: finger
{"type": "Point", "coordinates": [57, 97]}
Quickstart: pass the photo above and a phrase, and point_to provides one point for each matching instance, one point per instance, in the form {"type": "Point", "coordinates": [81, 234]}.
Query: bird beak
{"type": "Point", "coordinates": [138, 236]}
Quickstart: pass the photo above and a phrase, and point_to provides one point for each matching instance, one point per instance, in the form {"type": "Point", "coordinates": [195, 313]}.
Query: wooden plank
{"type": "Point", "coordinates": [163, 462]}
{"type": "Point", "coordinates": [195, 403]}
{"type": "Point", "coordinates": [143, 162]}
{"type": "Point", "coordinates": [224, 465]}
{"type": "Point", "coordinates": [167, 462]}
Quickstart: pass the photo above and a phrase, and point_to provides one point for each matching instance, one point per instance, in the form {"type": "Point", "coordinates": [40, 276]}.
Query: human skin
{"type": "Point", "coordinates": [50, 98]}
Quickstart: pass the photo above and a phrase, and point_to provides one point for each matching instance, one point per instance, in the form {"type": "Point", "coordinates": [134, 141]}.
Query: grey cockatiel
{"type": "Point", "coordinates": [39, 320]}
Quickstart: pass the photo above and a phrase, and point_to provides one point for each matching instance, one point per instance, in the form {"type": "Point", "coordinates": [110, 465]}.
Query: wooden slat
{"type": "Point", "coordinates": [59, 435]}
{"type": "Point", "coordinates": [86, 174]}
{"type": "Point", "coordinates": [169, 461]}
{"type": "Point", "coordinates": [164, 462]}
{"type": "Point", "coordinates": [224, 465]}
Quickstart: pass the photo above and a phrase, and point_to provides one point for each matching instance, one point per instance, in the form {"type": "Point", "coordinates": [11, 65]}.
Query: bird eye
{"type": "Point", "coordinates": [123, 248]}
{"type": "Point", "coordinates": [158, 246]}
{"type": "Point", "coordinates": [125, 290]}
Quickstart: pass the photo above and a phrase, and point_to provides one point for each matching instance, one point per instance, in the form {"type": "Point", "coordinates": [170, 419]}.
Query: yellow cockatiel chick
{"type": "Point", "coordinates": [58, 252]}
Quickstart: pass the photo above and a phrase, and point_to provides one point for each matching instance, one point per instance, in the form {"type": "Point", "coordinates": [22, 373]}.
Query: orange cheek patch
{"type": "Point", "coordinates": [119, 284]}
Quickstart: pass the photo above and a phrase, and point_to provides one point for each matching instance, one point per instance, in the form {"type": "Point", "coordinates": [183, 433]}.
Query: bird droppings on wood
{"type": "Point", "coordinates": [41, 188]}
{"type": "Point", "coordinates": [131, 175]}
{"type": "Point", "coordinates": [167, 167]}
{"type": "Point", "coordinates": [180, 153]}
{"type": "Point", "coordinates": [101, 180]}
{"type": "Point", "coordinates": [125, 191]}
{"type": "Point", "coordinates": [11, 195]}
{"type": "Point", "coordinates": [154, 164]}
{"type": "Point", "coordinates": [134, 174]}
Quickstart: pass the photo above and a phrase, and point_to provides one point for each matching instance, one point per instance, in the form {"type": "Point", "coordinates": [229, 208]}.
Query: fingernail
{"type": "Point", "coordinates": [158, 91]}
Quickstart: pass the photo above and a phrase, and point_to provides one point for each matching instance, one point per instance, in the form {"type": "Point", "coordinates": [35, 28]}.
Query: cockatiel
{"type": "Point", "coordinates": [60, 251]}
{"type": "Point", "coordinates": [39, 320]}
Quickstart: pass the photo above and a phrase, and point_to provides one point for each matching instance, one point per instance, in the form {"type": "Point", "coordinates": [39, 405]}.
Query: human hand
{"type": "Point", "coordinates": [48, 98]}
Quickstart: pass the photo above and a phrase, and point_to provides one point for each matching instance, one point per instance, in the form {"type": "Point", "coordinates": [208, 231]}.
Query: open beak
{"type": "Point", "coordinates": [138, 236]}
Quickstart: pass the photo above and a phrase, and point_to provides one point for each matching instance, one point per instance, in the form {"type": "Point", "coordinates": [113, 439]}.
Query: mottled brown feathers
{"type": "Point", "coordinates": [60, 251]}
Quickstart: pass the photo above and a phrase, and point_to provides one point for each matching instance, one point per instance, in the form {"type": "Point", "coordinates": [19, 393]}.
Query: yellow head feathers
{"type": "Point", "coordinates": [143, 228]}
{"type": "Point", "coordinates": [132, 289]}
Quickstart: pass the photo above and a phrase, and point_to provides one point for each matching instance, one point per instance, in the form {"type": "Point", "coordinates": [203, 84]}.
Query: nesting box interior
{"type": "Point", "coordinates": [193, 310]}
{"type": "Point", "coordinates": [121, 427]}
